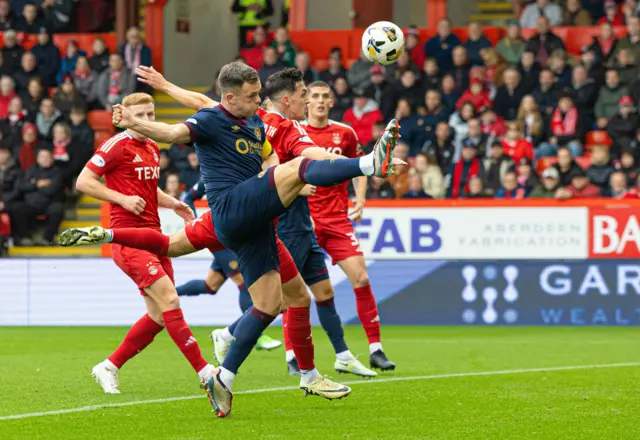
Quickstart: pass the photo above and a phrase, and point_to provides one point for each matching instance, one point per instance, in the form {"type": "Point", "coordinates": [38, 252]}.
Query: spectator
{"type": "Point", "coordinates": [476, 95]}
{"type": "Point", "coordinates": [495, 66]}
{"type": "Point", "coordinates": [546, 95]}
{"type": "Point", "coordinates": [426, 166]}
{"type": "Point", "coordinates": [252, 52]}
{"type": "Point", "coordinates": [58, 14]}
{"type": "Point", "coordinates": [619, 187]}
{"type": "Point", "coordinates": [284, 48]}
{"type": "Point", "coordinates": [412, 46]}
{"type": "Point", "coordinates": [567, 128]}
{"type": "Point", "coordinates": [604, 45]}
{"type": "Point", "coordinates": [574, 15]}
{"type": "Point", "coordinates": [114, 84]}
{"type": "Point", "coordinates": [448, 92]}
{"type": "Point", "coordinates": [600, 170]}
{"type": "Point", "coordinates": [11, 52]}
{"type": "Point", "coordinates": [191, 174]}
{"type": "Point", "coordinates": [609, 98]}
{"type": "Point", "coordinates": [271, 64]}
{"type": "Point", "coordinates": [16, 118]}
{"type": "Point", "coordinates": [178, 154]}
{"type": "Point", "coordinates": [400, 178]}
{"type": "Point", "coordinates": [566, 166]}
{"type": "Point", "coordinates": [476, 189]}
{"type": "Point", "coordinates": [41, 194]}
{"type": "Point", "coordinates": [408, 123]}
{"type": "Point", "coordinates": [303, 64]}
{"type": "Point", "coordinates": [595, 69]}
{"type": "Point", "coordinates": [580, 188]}
{"type": "Point", "coordinates": [459, 121]}
{"type": "Point", "coordinates": [376, 131]}
{"type": "Point", "coordinates": [46, 119]}
{"type": "Point", "coordinates": [27, 71]}
{"type": "Point", "coordinates": [512, 45]}
{"type": "Point", "coordinates": [441, 147]}
{"type": "Point", "coordinates": [416, 191]}
{"type": "Point", "coordinates": [336, 68]}
{"type": "Point", "coordinates": [511, 189]}
{"type": "Point", "coordinates": [495, 166]}
{"type": "Point", "coordinates": [492, 125]}
{"type": "Point", "coordinates": [6, 17]}
{"type": "Point", "coordinates": [461, 68]}
{"type": "Point", "coordinates": [67, 96]}
{"type": "Point", "coordinates": [26, 149]}
{"type": "Point", "coordinates": [358, 75]}
{"type": "Point", "coordinates": [441, 46]}
{"type": "Point", "coordinates": [81, 132]}
{"type": "Point", "coordinates": [10, 175]}
{"type": "Point", "coordinates": [99, 61]}
{"type": "Point", "coordinates": [342, 99]}
{"type": "Point", "coordinates": [83, 78]}
{"type": "Point", "coordinates": [515, 146]}
{"type": "Point", "coordinates": [476, 43]}
{"type": "Point", "coordinates": [626, 67]}
{"type": "Point", "coordinates": [622, 127]}
{"type": "Point", "coordinates": [509, 96]}
{"type": "Point", "coordinates": [172, 186]}
{"type": "Point", "coordinates": [362, 115]}
{"type": "Point", "coordinates": [33, 96]}
{"type": "Point", "coordinates": [560, 70]}
{"type": "Point", "coordinates": [467, 166]}
{"type": "Point", "coordinates": [477, 137]}
{"type": "Point", "coordinates": [29, 22]}
{"type": "Point", "coordinates": [69, 155]}
{"type": "Point", "coordinates": [379, 188]}
{"type": "Point", "coordinates": [134, 52]}
{"type": "Point", "coordinates": [545, 42]}
{"type": "Point", "coordinates": [251, 14]}
{"type": "Point", "coordinates": [430, 75]}
{"type": "Point", "coordinates": [529, 71]}
{"type": "Point", "coordinates": [166, 169]}
{"type": "Point", "coordinates": [527, 177]}
{"type": "Point", "coordinates": [584, 93]}
{"type": "Point", "coordinates": [632, 40]}
{"type": "Point", "coordinates": [541, 9]}
{"type": "Point", "coordinates": [611, 14]}
{"type": "Point", "coordinates": [530, 120]}
{"type": "Point", "coordinates": [7, 92]}
{"type": "Point", "coordinates": [628, 167]}
{"type": "Point", "coordinates": [69, 60]}
{"type": "Point", "coordinates": [379, 88]}
{"type": "Point", "coordinates": [548, 187]}
{"type": "Point", "coordinates": [629, 8]}
{"type": "Point", "coordinates": [47, 58]}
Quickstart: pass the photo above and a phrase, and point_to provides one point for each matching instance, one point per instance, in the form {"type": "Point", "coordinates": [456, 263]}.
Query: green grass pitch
{"type": "Point", "coordinates": [451, 383]}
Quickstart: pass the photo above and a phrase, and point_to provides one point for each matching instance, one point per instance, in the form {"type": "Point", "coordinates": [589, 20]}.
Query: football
{"type": "Point", "coordinates": [383, 42]}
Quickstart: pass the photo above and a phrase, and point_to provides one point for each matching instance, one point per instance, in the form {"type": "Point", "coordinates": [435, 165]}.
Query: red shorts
{"type": "Point", "coordinates": [336, 236]}
{"type": "Point", "coordinates": [288, 269]}
{"type": "Point", "coordinates": [201, 234]}
{"type": "Point", "coordinates": [143, 267]}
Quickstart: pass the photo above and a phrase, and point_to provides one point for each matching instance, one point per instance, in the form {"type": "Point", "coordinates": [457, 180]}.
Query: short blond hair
{"type": "Point", "coordinates": [137, 99]}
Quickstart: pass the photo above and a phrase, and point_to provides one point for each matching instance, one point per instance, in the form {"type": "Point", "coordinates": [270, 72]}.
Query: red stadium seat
{"type": "Point", "coordinates": [100, 120]}
{"type": "Point", "coordinates": [544, 163]}
{"type": "Point", "coordinates": [100, 137]}
{"type": "Point", "coordinates": [583, 161]}
{"type": "Point", "coordinates": [598, 137]}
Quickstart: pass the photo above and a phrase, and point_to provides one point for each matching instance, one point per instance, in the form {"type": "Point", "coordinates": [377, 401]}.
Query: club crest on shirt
{"type": "Point", "coordinates": [233, 265]}
{"type": "Point", "coordinates": [336, 138]}
{"type": "Point", "coordinates": [152, 269]}
{"type": "Point", "coordinates": [235, 128]}
{"type": "Point", "coordinates": [258, 133]}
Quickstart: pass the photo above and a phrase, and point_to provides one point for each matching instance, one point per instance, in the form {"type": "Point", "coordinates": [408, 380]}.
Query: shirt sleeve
{"type": "Point", "coordinates": [202, 126]}
{"type": "Point", "coordinates": [106, 159]}
{"type": "Point", "coordinates": [296, 139]}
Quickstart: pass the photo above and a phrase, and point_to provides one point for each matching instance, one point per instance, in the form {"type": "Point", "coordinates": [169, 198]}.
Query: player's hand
{"type": "Point", "coordinates": [356, 213]}
{"type": "Point", "coordinates": [121, 117]}
{"type": "Point", "coordinates": [152, 77]}
{"type": "Point", "coordinates": [134, 204]}
{"type": "Point", "coordinates": [184, 211]}
{"type": "Point", "coordinates": [308, 190]}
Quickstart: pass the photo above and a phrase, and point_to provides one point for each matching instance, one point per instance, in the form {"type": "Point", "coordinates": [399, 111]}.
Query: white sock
{"type": "Point", "coordinates": [344, 356]}
{"type": "Point", "coordinates": [226, 335]}
{"type": "Point", "coordinates": [375, 346]}
{"type": "Point", "coordinates": [227, 377]}
{"type": "Point", "coordinates": [109, 237]}
{"type": "Point", "coordinates": [110, 366]}
{"type": "Point", "coordinates": [309, 376]}
{"type": "Point", "coordinates": [366, 164]}
{"type": "Point", "coordinates": [206, 372]}
{"type": "Point", "coordinates": [289, 355]}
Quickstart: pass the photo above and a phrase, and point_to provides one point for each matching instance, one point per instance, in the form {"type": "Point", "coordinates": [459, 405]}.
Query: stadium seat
{"type": "Point", "coordinates": [583, 161]}
{"type": "Point", "coordinates": [100, 120]}
{"type": "Point", "coordinates": [100, 137]}
{"type": "Point", "coordinates": [598, 137]}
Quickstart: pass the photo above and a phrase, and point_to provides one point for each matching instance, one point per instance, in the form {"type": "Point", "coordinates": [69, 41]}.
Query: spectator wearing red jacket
{"type": "Point", "coordinates": [7, 92]}
{"type": "Point", "coordinates": [611, 14]}
{"type": "Point", "coordinates": [492, 124]}
{"type": "Point", "coordinates": [566, 126]}
{"type": "Point", "coordinates": [253, 52]}
{"type": "Point", "coordinates": [412, 46]}
{"type": "Point", "coordinates": [515, 145]}
{"type": "Point", "coordinates": [362, 115]}
{"type": "Point", "coordinates": [580, 188]}
{"type": "Point", "coordinates": [475, 95]}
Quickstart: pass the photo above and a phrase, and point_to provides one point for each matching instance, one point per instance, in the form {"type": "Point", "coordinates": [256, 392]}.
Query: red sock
{"type": "Point", "coordinates": [299, 329]}
{"type": "Point", "coordinates": [137, 338]}
{"type": "Point", "coordinates": [181, 334]}
{"type": "Point", "coordinates": [142, 238]}
{"type": "Point", "coordinates": [285, 332]}
{"type": "Point", "coordinates": [368, 312]}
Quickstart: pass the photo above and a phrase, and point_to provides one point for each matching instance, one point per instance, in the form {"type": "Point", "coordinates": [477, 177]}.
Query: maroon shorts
{"type": "Point", "coordinates": [202, 235]}
{"type": "Point", "coordinates": [336, 236]}
{"type": "Point", "coordinates": [143, 267]}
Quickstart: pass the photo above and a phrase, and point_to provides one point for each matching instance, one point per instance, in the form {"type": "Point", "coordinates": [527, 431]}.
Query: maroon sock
{"type": "Point", "coordinates": [299, 329]}
{"type": "Point", "coordinates": [183, 337]}
{"type": "Point", "coordinates": [368, 313]}
{"type": "Point", "coordinates": [142, 238]}
{"type": "Point", "coordinates": [138, 337]}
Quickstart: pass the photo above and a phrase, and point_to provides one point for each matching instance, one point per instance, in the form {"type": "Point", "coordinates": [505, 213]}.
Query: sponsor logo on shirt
{"type": "Point", "coordinates": [193, 121]}
{"type": "Point", "coordinates": [306, 139]}
{"type": "Point", "coordinates": [97, 160]}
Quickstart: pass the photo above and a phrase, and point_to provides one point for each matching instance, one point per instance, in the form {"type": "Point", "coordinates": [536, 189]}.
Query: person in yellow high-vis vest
{"type": "Point", "coordinates": [286, 6]}
{"type": "Point", "coordinates": [251, 14]}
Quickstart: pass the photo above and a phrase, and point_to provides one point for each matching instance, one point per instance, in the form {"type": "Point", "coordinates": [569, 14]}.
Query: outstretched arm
{"type": "Point", "coordinates": [158, 131]}
{"type": "Point", "coordinates": [155, 79]}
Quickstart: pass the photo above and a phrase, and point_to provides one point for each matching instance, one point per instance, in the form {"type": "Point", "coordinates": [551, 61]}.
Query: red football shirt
{"type": "Point", "coordinates": [288, 138]}
{"type": "Point", "coordinates": [130, 167]}
{"type": "Point", "coordinates": [340, 139]}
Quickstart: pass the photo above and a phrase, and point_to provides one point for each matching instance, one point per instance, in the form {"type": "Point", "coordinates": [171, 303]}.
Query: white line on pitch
{"type": "Point", "coordinates": [290, 388]}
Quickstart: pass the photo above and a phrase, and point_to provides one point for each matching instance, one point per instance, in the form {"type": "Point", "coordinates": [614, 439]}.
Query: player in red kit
{"type": "Point", "coordinates": [130, 165]}
{"type": "Point", "coordinates": [333, 227]}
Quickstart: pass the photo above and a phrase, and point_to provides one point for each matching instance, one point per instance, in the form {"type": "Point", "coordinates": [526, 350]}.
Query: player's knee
{"type": "Point", "coordinates": [214, 280]}
{"type": "Point", "coordinates": [362, 278]}
{"type": "Point", "coordinates": [323, 292]}
{"type": "Point", "coordinates": [172, 301]}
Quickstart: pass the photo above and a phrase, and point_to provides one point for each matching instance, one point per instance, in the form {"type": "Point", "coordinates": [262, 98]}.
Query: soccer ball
{"type": "Point", "coordinates": [383, 42]}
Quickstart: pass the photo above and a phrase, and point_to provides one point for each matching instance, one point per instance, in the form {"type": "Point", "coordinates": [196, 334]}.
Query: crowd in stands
{"type": "Point", "coordinates": [45, 97]}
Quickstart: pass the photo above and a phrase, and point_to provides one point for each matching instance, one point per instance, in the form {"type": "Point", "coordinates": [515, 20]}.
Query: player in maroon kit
{"type": "Point", "coordinates": [329, 210]}
{"type": "Point", "coordinates": [130, 165]}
